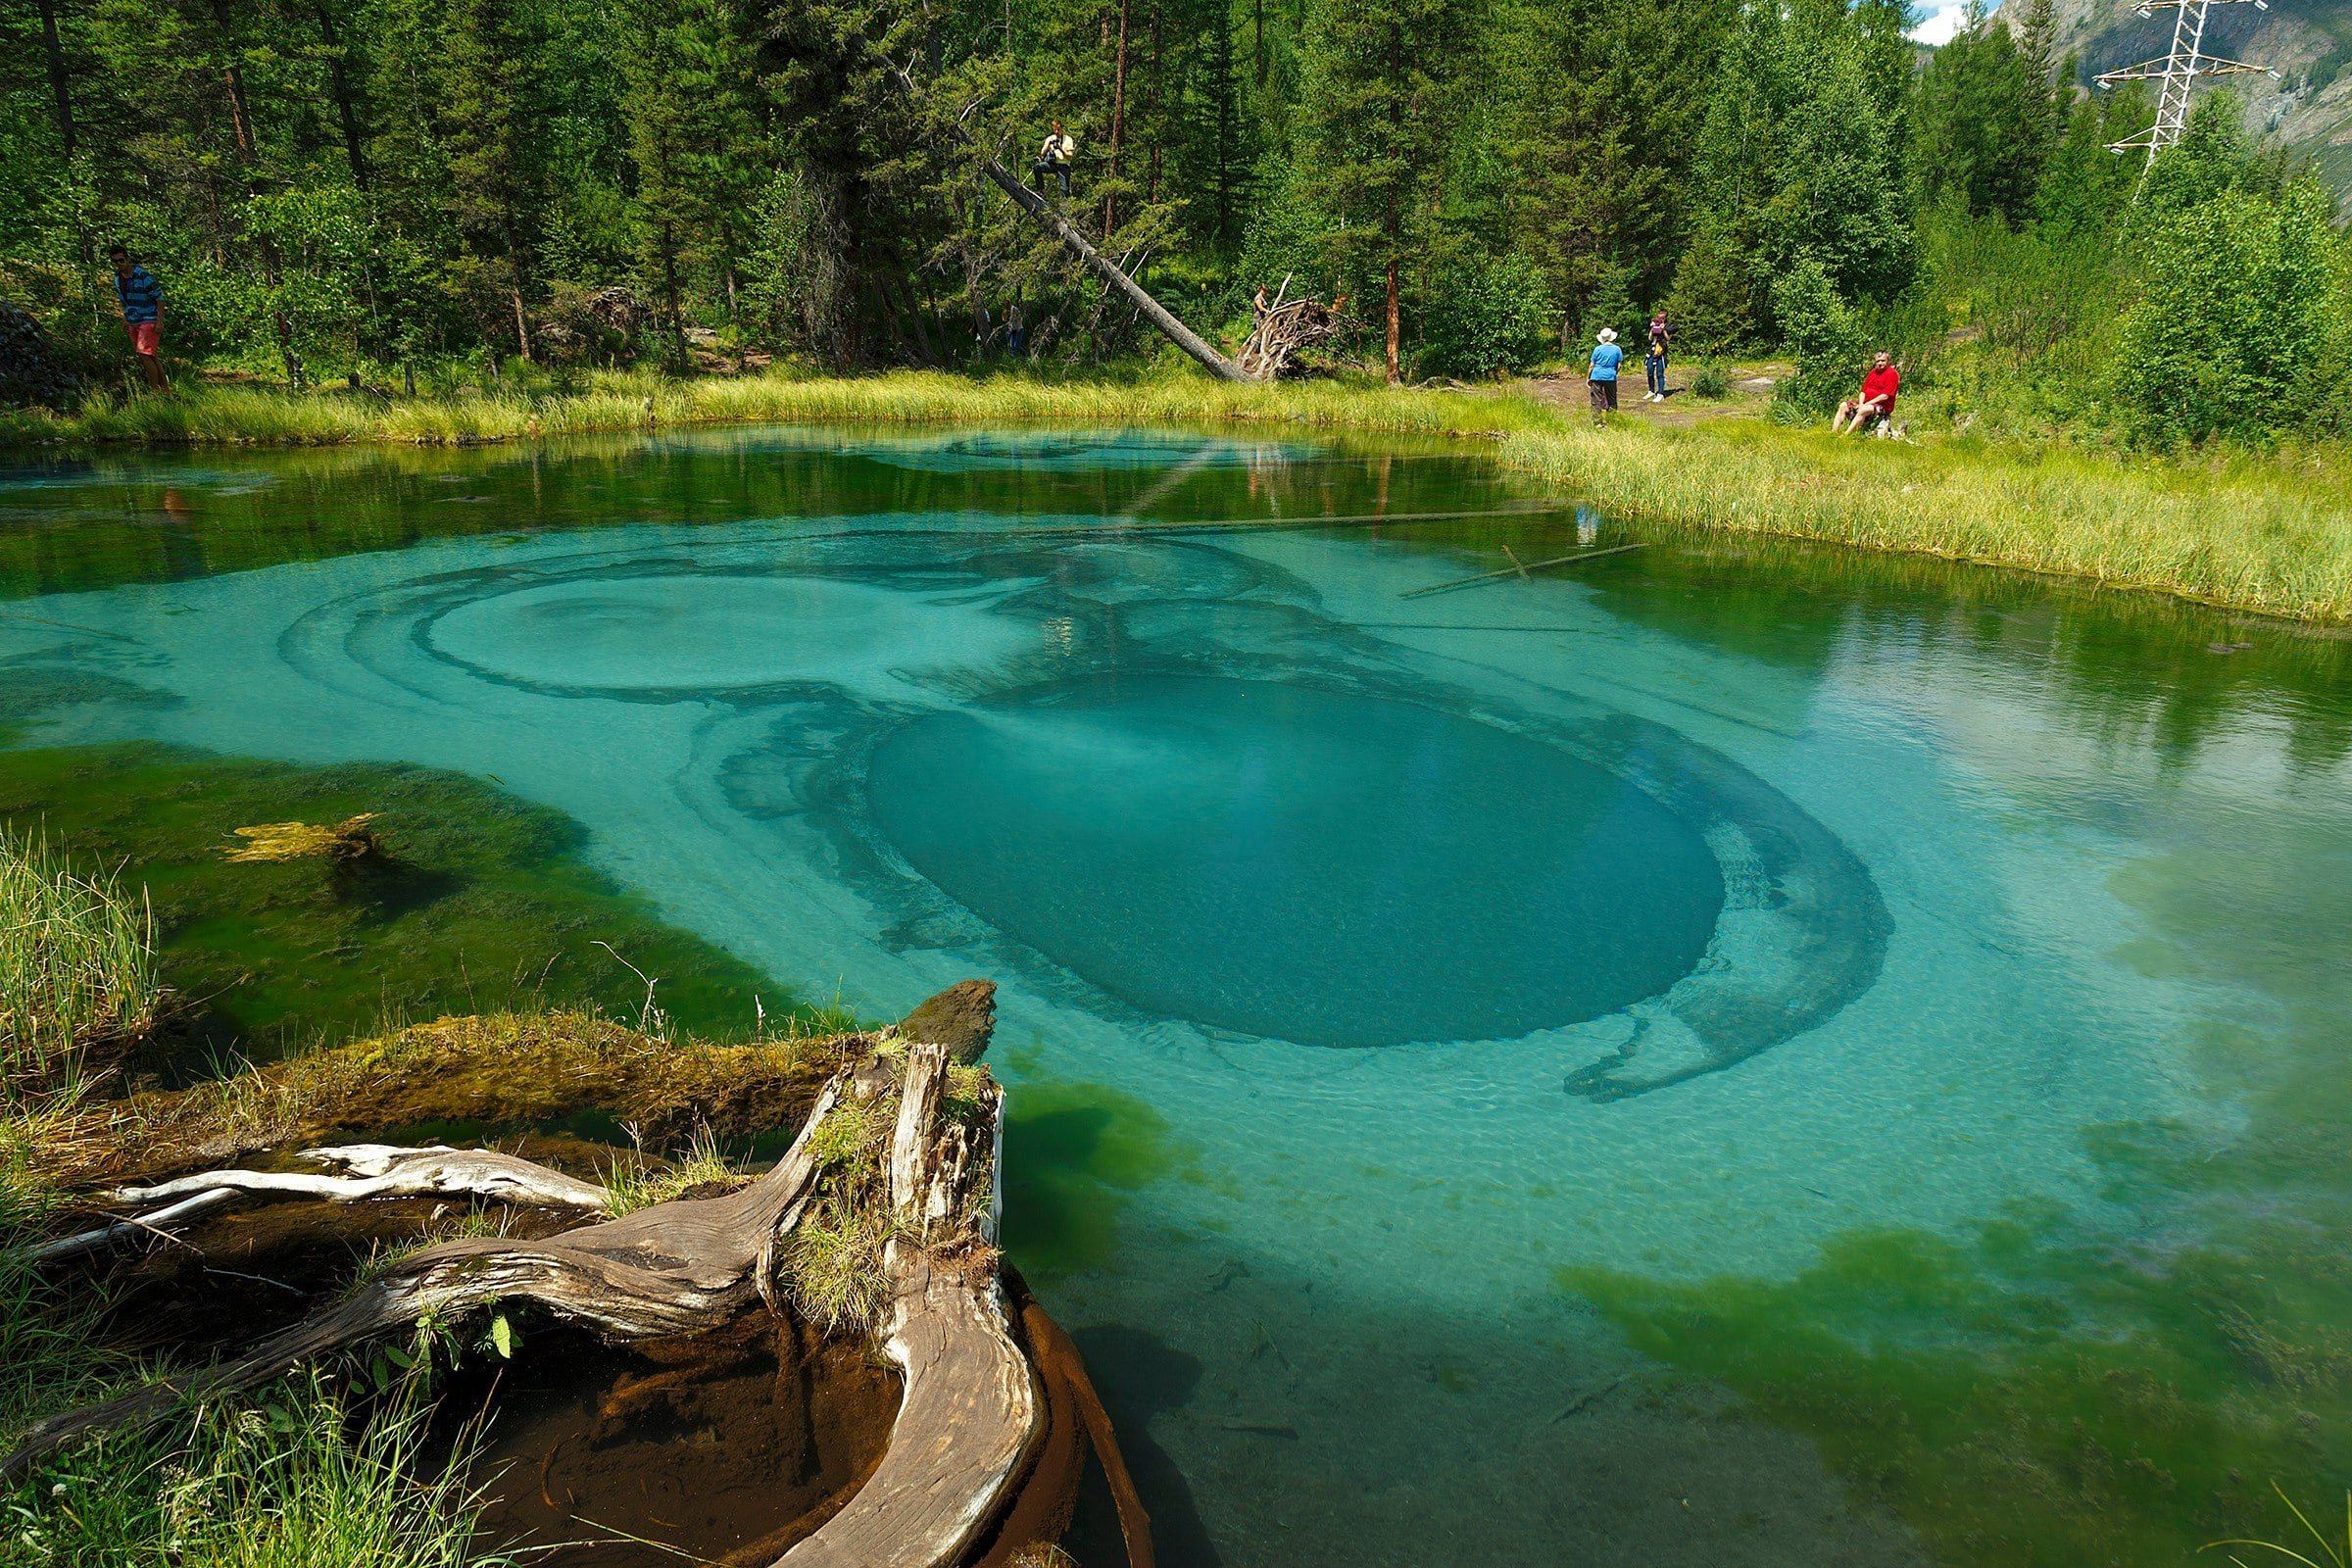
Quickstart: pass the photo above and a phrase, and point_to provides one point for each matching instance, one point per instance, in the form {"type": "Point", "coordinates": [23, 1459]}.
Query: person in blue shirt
{"type": "Point", "coordinates": [141, 299]}
{"type": "Point", "coordinates": [1602, 376]}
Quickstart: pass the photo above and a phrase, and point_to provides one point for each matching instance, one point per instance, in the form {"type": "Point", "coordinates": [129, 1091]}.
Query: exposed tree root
{"type": "Point", "coordinates": [673, 1268]}
{"type": "Point", "coordinates": [385, 1170]}
{"type": "Point", "coordinates": [973, 1418]}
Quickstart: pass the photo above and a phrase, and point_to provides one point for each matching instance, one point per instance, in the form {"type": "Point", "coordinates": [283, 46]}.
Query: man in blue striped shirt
{"type": "Point", "coordinates": [142, 300]}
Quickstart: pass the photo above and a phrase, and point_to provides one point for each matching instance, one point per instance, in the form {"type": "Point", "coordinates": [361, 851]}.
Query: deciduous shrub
{"type": "Point", "coordinates": [1493, 317]}
{"type": "Point", "coordinates": [2233, 326]}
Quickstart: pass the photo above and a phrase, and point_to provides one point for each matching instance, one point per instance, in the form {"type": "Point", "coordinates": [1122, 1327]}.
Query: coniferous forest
{"type": "Point", "coordinates": [430, 189]}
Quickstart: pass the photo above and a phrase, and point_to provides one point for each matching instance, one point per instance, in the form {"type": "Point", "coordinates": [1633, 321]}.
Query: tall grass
{"type": "Point", "coordinates": [622, 400]}
{"type": "Point", "coordinates": [2251, 532]}
{"type": "Point", "coordinates": [291, 1481]}
{"type": "Point", "coordinates": [2254, 531]}
{"type": "Point", "coordinates": [78, 971]}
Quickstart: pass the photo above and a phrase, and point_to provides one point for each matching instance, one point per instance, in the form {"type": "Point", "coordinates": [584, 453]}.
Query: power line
{"type": "Point", "coordinates": [2179, 70]}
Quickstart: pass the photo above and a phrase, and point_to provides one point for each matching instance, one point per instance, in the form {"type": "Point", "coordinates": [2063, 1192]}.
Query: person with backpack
{"type": "Point", "coordinates": [1661, 336]}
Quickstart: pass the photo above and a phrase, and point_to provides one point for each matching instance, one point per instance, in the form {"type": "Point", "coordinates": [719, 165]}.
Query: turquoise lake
{"type": "Point", "coordinates": [1735, 1052]}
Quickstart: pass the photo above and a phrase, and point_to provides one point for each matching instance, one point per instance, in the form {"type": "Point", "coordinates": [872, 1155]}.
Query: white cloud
{"type": "Point", "coordinates": [1941, 24]}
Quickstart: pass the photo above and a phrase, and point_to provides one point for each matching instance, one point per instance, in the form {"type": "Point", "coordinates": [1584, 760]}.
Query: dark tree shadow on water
{"type": "Point", "coordinates": [1140, 1377]}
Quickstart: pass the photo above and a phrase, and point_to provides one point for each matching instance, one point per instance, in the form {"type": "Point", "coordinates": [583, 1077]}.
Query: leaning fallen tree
{"type": "Point", "coordinates": [982, 1379]}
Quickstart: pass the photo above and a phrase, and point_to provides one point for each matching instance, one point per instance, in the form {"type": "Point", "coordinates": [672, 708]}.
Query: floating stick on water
{"type": "Point", "coordinates": [1515, 568]}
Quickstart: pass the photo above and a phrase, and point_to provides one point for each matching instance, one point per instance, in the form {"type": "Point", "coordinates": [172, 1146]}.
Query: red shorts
{"type": "Point", "coordinates": [146, 337]}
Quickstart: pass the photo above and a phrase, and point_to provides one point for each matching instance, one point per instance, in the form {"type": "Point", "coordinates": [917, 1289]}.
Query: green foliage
{"type": "Point", "coordinates": [1712, 382]}
{"type": "Point", "coordinates": [1714, 297]}
{"type": "Point", "coordinates": [834, 1265]}
{"type": "Point", "coordinates": [1495, 316]}
{"type": "Point", "coordinates": [77, 969]}
{"type": "Point", "coordinates": [1826, 335]}
{"type": "Point", "coordinates": [426, 188]}
{"type": "Point", "coordinates": [1984, 119]}
{"type": "Point", "coordinates": [1800, 158]}
{"type": "Point", "coordinates": [2238, 318]}
{"type": "Point", "coordinates": [636, 1185]}
{"type": "Point", "coordinates": [1382, 82]}
{"type": "Point", "coordinates": [292, 1479]}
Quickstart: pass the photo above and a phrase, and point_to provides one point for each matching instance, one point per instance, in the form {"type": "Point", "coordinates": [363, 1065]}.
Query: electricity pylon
{"type": "Point", "coordinates": [2177, 71]}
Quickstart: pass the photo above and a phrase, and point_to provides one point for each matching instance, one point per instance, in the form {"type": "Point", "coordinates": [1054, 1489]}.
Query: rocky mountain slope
{"type": "Point", "coordinates": [2309, 42]}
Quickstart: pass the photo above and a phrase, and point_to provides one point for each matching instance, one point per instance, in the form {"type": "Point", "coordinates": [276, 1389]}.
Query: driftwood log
{"type": "Point", "coordinates": [972, 1414]}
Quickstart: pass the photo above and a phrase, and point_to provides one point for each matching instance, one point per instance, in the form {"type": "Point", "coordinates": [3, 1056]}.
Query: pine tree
{"type": "Point", "coordinates": [493, 126]}
{"type": "Point", "coordinates": [694, 143]}
{"type": "Point", "coordinates": [1598, 129]}
{"type": "Point", "coordinates": [1983, 121]}
{"type": "Point", "coordinates": [1796, 162]}
{"type": "Point", "coordinates": [2047, 98]}
{"type": "Point", "coordinates": [1377, 113]}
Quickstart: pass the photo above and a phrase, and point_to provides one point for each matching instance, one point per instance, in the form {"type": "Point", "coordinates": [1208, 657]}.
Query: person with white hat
{"type": "Point", "coordinates": [1600, 374]}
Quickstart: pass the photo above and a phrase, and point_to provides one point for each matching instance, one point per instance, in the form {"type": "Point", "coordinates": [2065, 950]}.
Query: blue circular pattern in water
{"type": "Point", "coordinates": [1299, 862]}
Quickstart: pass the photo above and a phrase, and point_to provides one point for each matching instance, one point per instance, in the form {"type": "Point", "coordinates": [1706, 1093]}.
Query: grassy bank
{"type": "Point", "coordinates": [2271, 533]}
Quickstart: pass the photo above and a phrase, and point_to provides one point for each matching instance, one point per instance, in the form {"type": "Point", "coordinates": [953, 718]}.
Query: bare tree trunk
{"type": "Point", "coordinates": [1077, 244]}
{"type": "Point", "coordinates": [1395, 70]}
{"type": "Point", "coordinates": [338, 81]}
{"type": "Point", "coordinates": [522, 321]}
{"type": "Point", "coordinates": [1176, 332]}
{"type": "Point", "coordinates": [1152, 108]}
{"type": "Point", "coordinates": [1118, 125]}
{"type": "Point", "coordinates": [1395, 371]}
{"type": "Point", "coordinates": [61, 107]}
{"type": "Point", "coordinates": [1260, 9]}
{"type": "Point", "coordinates": [61, 95]}
{"type": "Point", "coordinates": [669, 289]}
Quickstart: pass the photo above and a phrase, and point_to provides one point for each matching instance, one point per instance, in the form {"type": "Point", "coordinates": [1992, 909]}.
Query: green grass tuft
{"type": "Point", "coordinates": [835, 1267]}
{"type": "Point", "coordinates": [78, 968]}
{"type": "Point", "coordinates": [636, 1185]}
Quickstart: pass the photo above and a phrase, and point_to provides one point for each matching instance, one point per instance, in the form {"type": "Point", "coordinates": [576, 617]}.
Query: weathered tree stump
{"type": "Point", "coordinates": [972, 1414]}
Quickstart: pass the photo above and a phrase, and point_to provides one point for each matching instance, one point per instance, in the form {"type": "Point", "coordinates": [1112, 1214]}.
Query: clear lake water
{"type": "Point", "coordinates": [1736, 1051]}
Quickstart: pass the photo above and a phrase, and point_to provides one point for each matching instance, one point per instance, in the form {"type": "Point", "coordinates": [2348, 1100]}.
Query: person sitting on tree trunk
{"type": "Point", "coordinates": [1601, 376]}
{"type": "Point", "coordinates": [1053, 157]}
{"type": "Point", "coordinates": [1875, 405]}
{"type": "Point", "coordinates": [141, 299]}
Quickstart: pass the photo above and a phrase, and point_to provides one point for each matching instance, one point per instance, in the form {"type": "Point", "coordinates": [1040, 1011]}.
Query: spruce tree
{"type": "Point", "coordinates": [494, 128]}
{"type": "Point", "coordinates": [1983, 121]}
{"type": "Point", "coordinates": [1378, 115]}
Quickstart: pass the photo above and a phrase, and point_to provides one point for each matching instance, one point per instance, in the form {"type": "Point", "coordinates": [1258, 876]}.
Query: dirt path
{"type": "Point", "coordinates": [1750, 393]}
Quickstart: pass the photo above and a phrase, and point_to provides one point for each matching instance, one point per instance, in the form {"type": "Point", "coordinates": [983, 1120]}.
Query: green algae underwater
{"type": "Point", "coordinates": [481, 904]}
{"type": "Point", "coordinates": [2039, 1392]}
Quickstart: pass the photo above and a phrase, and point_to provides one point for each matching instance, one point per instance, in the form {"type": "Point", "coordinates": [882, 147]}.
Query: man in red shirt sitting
{"type": "Point", "coordinates": [1876, 402]}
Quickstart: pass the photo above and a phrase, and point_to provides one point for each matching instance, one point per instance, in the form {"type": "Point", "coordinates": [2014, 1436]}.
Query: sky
{"type": "Point", "coordinates": [1940, 20]}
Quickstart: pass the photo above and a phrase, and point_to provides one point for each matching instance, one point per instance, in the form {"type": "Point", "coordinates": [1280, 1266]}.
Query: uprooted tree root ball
{"type": "Point", "coordinates": [878, 1225]}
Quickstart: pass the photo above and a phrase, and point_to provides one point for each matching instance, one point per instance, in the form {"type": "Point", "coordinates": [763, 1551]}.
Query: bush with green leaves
{"type": "Point", "coordinates": [2237, 328]}
{"type": "Point", "coordinates": [1495, 314]}
{"type": "Point", "coordinates": [1824, 332]}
